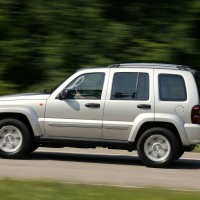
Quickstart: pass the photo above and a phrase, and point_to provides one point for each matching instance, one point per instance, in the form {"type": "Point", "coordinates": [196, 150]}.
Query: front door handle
{"type": "Point", "coordinates": [92, 105]}
{"type": "Point", "coordinates": [144, 106]}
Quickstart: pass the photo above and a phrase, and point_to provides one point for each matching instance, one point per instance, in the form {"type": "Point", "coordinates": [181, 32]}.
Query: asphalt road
{"type": "Point", "coordinates": [103, 166]}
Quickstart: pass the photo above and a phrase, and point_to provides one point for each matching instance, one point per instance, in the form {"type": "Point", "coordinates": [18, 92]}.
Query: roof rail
{"type": "Point", "coordinates": [114, 66]}
{"type": "Point", "coordinates": [151, 65]}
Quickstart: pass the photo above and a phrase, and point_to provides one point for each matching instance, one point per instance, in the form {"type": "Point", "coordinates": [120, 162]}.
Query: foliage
{"type": "Point", "coordinates": [42, 42]}
{"type": "Point", "coordinates": [197, 149]}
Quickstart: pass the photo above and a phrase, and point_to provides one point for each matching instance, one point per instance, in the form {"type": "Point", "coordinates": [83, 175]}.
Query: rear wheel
{"type": "Point", "coordinates": [15, 138]}
{"type": "Point", "coordinates": [158, 147]}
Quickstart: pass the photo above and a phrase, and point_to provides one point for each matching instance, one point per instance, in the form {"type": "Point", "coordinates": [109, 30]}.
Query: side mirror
{"type": "Point", "coordinates": [64, 94]}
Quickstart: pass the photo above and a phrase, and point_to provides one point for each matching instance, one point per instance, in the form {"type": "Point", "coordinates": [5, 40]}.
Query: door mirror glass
{"type": "Point", "coordinates": [64, 94]}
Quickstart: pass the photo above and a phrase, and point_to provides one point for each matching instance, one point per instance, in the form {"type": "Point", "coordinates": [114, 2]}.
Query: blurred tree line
{"type": "Point", "coordinates": [43, 42]}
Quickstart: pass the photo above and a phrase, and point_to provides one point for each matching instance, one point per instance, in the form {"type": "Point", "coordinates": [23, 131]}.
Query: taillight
{"type": "Point", "coordinates": [196, 114]}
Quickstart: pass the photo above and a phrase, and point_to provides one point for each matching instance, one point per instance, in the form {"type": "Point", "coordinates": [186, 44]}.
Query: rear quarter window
{"type": "Point", "coordinates": [172, 88]}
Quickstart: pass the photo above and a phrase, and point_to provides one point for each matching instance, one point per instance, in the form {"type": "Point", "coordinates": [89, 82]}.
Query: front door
{"type": "Point", "coordinates": [80, 114]}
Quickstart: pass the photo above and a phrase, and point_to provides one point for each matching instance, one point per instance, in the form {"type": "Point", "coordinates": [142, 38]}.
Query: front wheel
{"type": "Point", "coordinates": [33, 147]}
{"type": "Point", "coordinates": [15, 138]}
{"type": "Point", "coordinates": [158, 147]}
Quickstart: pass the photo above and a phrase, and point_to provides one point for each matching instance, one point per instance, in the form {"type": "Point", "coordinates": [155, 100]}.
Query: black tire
{"type": "Point", "coordinates": [158, 147]}
{"type": "Point", "coordinates": [15, 138]}
{"type": "Point", "coordinates": [33, 147]}
{"type": "Point", "coordinates": [180, 153]}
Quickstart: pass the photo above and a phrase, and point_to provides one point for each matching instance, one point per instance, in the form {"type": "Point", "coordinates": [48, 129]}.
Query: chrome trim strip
{"type": "Point", "coordinates": [118, 127]}
{"type": "Point", "coordinates": [78, 123]}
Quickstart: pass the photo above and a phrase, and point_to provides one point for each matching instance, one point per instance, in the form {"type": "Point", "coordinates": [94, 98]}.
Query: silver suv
{"type": "Point", "coordinates": [151, 108]}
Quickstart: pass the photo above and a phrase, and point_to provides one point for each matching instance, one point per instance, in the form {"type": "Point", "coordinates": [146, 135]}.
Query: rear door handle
{"type": "Point", "coordinates": [144, 106]}
{"type": "Point", "coordinates": [92, 105]}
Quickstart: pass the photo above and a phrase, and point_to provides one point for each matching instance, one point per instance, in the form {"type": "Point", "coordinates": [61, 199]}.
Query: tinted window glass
{"type": "Point", "coordinates": [172, 88]}
{"type": "Point", "coordinates": [130, 86]}
{"type": "Point", "coordinates": [143, 87]}
{"type": "Point", "coordinates": [197, 79]}
{"type": "Point", "coordinates": [87, 86]}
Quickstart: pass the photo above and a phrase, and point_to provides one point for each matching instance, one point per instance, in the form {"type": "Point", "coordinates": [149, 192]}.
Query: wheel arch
{"type": "Point", "coordinates": [25, 114]}
{"type": "Point", "coordinates": [148, 125]}
{"type": "Point", "coordinates": [172, 122]}
{"type": "Point", "coordinates": [19, 116]}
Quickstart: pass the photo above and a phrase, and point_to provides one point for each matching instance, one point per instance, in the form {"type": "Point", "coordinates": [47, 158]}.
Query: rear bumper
{"type": "Point", "coordinates": [193, 133]}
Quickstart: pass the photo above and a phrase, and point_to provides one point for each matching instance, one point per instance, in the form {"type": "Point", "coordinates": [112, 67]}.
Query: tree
{"type": "Point", "coordinates": [42, 42]}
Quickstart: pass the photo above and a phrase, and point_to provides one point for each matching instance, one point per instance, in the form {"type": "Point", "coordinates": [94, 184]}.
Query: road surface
{"type": "Point", "coordinates": [103, 166]}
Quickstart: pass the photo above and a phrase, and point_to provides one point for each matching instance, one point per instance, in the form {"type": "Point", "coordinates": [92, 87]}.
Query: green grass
{"type": "Point", "coordinates": [38, 190]}
{"type": "Point", "coordinates": [197, 149]}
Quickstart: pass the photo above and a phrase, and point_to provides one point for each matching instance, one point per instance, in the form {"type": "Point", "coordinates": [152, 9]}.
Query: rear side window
{"type": "Point", "coordinates": [172, 88]}
{"type": "Point", "coordinates": [130, 86]}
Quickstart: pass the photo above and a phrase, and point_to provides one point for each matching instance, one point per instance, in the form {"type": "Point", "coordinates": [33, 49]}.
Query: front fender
{"type": "Point", "coordinates": [28, 112]}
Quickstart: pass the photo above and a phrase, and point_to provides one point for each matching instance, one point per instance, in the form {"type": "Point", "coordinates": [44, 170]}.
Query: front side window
{"type": "Point", "coordinates": [172, 88]}
{"type": "Point", "coordinates": [86, 86]}
{"type": "Point", "coordinates": [130, 86]}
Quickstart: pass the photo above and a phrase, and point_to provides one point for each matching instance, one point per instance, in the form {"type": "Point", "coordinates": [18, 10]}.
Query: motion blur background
{"type": "Point", "coordinates": [43, 42]}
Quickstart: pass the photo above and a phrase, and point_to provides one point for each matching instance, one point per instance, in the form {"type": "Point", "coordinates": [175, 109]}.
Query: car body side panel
{"type": "Point", "coordinates": [193, 133]}
{"type": "Point", "coordinates": [138, 122]}
{"type": "Point", "coordinates": [72, 118]}
{"type": "Point", "coordinates": [177, 112]}
{"type": "Point", "coordinates": [177, 122]}
{"type": "Point", "coordinates": [179, 108]}
{"type": "Point", "coordinates": [119, 115]}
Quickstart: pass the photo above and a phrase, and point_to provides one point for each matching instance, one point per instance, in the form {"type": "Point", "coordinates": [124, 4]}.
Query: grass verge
{"type": "Point", "coordinates": [39, 190]}
{"type": "Point", "coordinates": [197, 149]}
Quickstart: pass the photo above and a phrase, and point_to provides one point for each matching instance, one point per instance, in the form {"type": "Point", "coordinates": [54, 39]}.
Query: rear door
{"type": "Point", "coordinates": [130, 94]}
